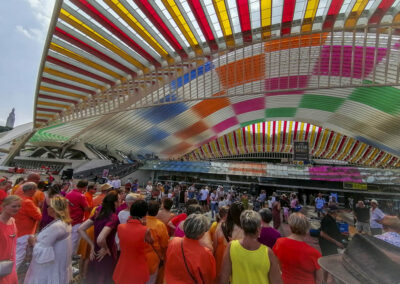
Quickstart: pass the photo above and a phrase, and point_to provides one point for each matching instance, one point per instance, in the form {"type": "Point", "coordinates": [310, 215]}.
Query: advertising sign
{"type": "Point", "coordinates": [105, 173]}
{"type": "Point", "coordinates": [300, 151]}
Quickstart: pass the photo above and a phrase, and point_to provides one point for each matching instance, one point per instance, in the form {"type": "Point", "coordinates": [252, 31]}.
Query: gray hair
{"type": "Point", "coordinates": [250, 222]}
{"type": "Point", "coordinates": [298, 224]}
{"type": "Point", "coordinates": [266, 215]}
{"type": "Point", "coordinates": [132, 197]}
{"type": "Point", "coordinates": [29, 186]}
{"type": "Point", "coordinates": [195, 226]}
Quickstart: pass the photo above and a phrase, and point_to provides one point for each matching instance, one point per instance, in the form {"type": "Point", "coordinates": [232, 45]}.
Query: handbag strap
{"type": "Point", "coordinates": [159, 257]}
{"type": "Point", "coordinates": [187, 268]}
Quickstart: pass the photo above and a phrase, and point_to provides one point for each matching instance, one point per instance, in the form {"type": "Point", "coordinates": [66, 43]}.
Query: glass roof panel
{"type": "Point", "coordinates": [210, 12]}
{"type": "Point", "coordinates": [131, 6]}
{"type": "Point", "coordinates": [277, 9]}
{"type": "Point", "coordinates": [299, 10]}
{"type": "Point", "coordinates": [255, 15]}
{"type": "Point", "coordinates": [234, 16]}
{"type": "Point", "coordinates": [168, 16]}
{"type": "Point", "coordinates": [345, 5]}
{"type": "Point", "coordinates": [192, 18]}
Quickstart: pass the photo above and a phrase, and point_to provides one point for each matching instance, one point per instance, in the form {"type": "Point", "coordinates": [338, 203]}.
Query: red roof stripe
{"type": "Point", "coordinates": [78, 70]}
{"type": "Point", "coordinates": [352, 150]}
{"type": "Point", "coordinates": [254, 138]}
{"type": "Point", "coordinates": [383, 7]}
{"type": "Point", "coordinates": [333, 11]}
{"type": "Point", "coordinates": [273, 135]}
{"type": "Point", "coordinates": [378, 158]}
{"type": "Point", "coordinates": [366, 153]}
{"type": "Point", "coordinates": [149, 11]}
{"type": "Point", "coordinates": [99, 17]}
{"type": "Point", "coordinates": [244, 139]}
{"type": "Point", "coordinates": [328, 144]}
{"type": "Point", "coordinates": [57, 99]}
{"type": "Point", "coordinates": [244, 18]}
{"type": "Point", "coordinates": [340, 147]}
{"type": "Point", "coordinates": [65, 85]}
{"type": "Point", "coordinates": [316, 140]}
{"type": "Point", "coordinates": [77, 42]}
{"type": "Point", "coordinates": [201, 18]}
{"type": "Point", "coordinates": [284, 136]}
{"type": "Point", "coordinates": [227, 144]}
{"type": "Point", "coordinates": [287, 16]}
{"type": "Point", "coordinates": [48, 109]}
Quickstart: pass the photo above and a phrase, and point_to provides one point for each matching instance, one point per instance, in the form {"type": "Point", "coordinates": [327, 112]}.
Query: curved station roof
{"type": "Point", "coordinates": [168, 76]}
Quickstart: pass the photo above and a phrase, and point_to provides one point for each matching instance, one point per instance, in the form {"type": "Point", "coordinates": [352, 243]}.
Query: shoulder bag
{"type": "Point", "coordinates": [161, 263]}
{"type": "Point", "coordinates": [187, 267]}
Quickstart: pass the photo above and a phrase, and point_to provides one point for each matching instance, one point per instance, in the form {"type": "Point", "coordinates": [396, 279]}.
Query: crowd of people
{"type": "Point", "coordinates": [164, 234]}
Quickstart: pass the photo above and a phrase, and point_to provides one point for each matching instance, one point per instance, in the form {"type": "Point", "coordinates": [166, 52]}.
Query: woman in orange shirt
{"type": "Point", "coordinates": [187, 260]}
{"type": "Point", "coordinates": [134, 237]}
{"type": "Point", "coordinates": [8, 235]}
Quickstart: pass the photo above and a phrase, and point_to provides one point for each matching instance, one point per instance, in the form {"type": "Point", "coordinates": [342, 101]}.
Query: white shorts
{"type": "Point", "coordinates": [363, 227]}
{"type": "Point", "coordinates": [75, 238]}
{"type": "Point", "coordinates": [22, 243]}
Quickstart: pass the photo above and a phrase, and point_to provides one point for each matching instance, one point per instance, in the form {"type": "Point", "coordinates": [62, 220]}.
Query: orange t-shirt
{"type": "Point", "coordinates": [15, 187]}
{"type": "Point", "coordinates": [160, 236]}
{"type": "Point", "coordinates": [132, 263]}
{"type": "Point", "coordinates": [38, 198]}
{"type": "Point", "coordinates": [27, 217]}
{"type": "Point", "coordinates": [18, 191]}
{"type": "Point", "coordinates": [89, 198]}
{"type": "Point", "coordinates": [98, 199]}
{"type": "Point", "coordinates": [199, 259]}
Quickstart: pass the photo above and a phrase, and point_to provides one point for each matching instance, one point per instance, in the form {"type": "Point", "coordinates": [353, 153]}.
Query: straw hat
{"type": "Point", "coordinates": [374, 201]}
{"type": "Point", "coordinates": [366, 260]}
{"type": "Point", "coordinates": [105, 187]}
{"type": "Point", "coordinates": [392, 222]}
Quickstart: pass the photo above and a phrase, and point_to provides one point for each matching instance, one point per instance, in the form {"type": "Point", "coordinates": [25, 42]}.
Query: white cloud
{"type": "Point", "coordinates": [41, 10]}
{"type": "Point", "coordinates": [24, 31]}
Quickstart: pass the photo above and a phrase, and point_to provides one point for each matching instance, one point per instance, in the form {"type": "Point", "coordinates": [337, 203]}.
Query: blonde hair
{"type": "Point", "coordinates": [298, 224]}
{"type": "Point", "coordinates": [10, 199]}
{"type": "Point", "coordinates": [60, 206]}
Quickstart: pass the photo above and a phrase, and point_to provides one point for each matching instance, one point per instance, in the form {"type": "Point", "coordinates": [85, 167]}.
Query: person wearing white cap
{"type": "Point", "coordinates": [376, 217]}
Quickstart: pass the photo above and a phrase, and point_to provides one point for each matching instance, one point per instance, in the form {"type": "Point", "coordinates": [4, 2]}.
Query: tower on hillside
{"type": "Point", "coordinates": [11, 119]}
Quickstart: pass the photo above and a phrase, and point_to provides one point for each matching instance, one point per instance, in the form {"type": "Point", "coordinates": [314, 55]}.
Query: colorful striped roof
{"type": "Point", "coordinates": [167, 76]}
{"type": "Point", "coordinates": [279, 137]}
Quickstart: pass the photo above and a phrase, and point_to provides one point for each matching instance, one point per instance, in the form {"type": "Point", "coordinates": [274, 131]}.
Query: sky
{"type": "Point", "coordinates": [23, 29]}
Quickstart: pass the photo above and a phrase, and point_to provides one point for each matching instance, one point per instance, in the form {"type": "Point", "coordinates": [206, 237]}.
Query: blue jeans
{"type": "Point", "coordinates": [214, 208]}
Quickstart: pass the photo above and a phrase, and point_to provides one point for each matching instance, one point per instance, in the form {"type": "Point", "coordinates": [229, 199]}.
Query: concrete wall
{"type": "Point", "coordinates": [142, 175]}
{"type": "Point", "coordinates": [92, 164]}
{"type": "Point", "coordinates": [81, 147]}
{"type": "Point", "coordinates": [68, 163]}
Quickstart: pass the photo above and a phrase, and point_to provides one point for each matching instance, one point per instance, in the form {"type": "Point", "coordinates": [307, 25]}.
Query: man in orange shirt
{"type": "Point", "coordinates": [104, 190]}
{"type": "Point", "coordinates": [91, 190]}
{"type": "Point", "coordinates": [31, 178]}
{"type": "Point", "coordinates": [26, 220]}
{"type": "Point", "coordinates": [159, 232]}
{"type": "Point", "coordinates": [38, 197]}
{"type": "Point", "coordinates": [165, 215]}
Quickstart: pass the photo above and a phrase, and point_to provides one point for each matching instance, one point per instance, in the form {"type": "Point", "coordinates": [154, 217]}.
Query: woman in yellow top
{"type": "Point", "coordinates": [248, 261]}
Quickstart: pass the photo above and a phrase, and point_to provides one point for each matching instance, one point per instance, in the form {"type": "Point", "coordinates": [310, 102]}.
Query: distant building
{"type": "Point", "coordinates": [11, 119]}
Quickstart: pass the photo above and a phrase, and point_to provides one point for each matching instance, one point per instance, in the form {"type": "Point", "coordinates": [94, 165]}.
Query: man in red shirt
{"type": "Point", "coordinates": [77, 207]}
{"type": "Point", "coordinates": [26, 220]}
